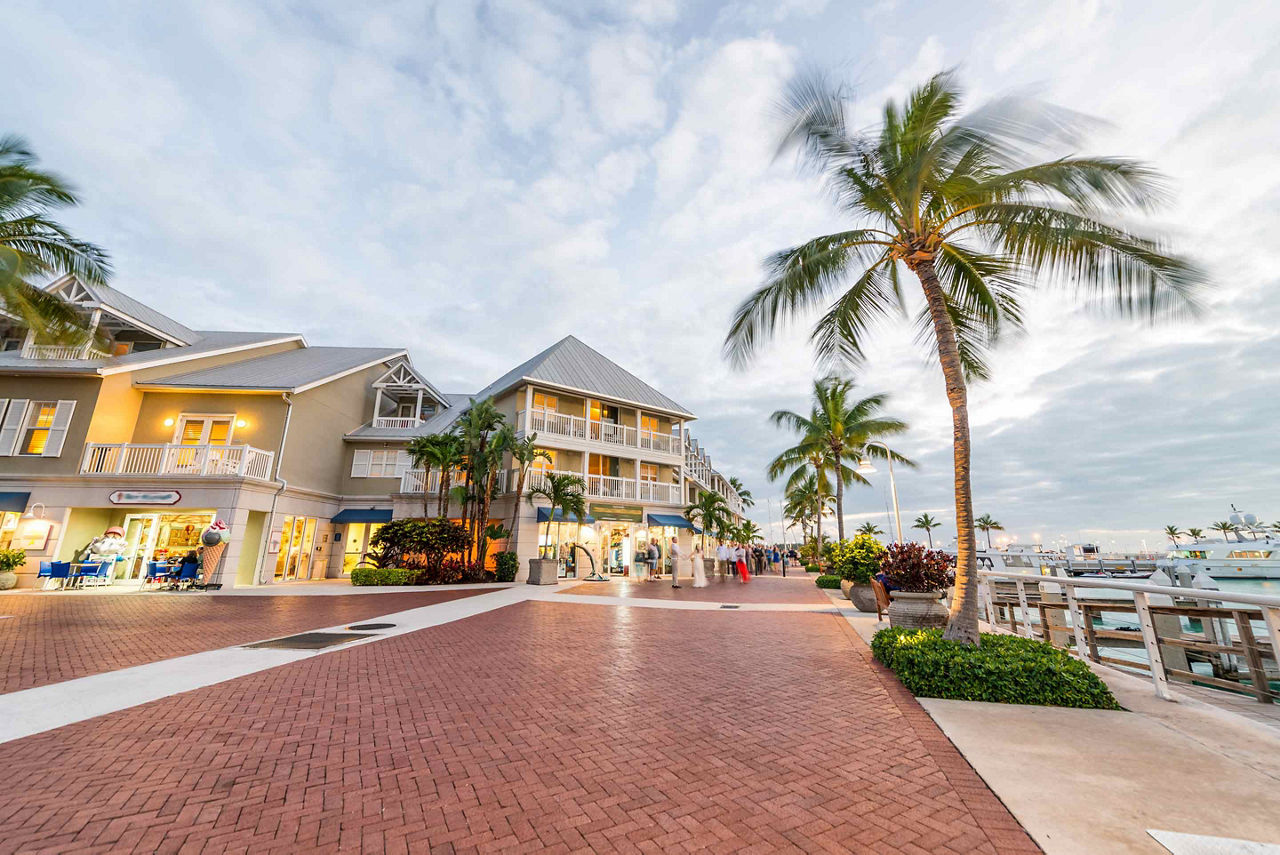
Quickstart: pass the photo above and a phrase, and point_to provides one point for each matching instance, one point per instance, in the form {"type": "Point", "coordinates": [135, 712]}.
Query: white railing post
{"type": "Point", "coordinates": [1152, 643]}
{"type": "Point", "coordinates": [1077, 621]}
{"type": "Point", "coordinates": [204, 456]}
{"type": "Point", "coordinates": [988, 605]}
{"type": "Point", "coordinates": [243, 465]}
{"type": "Point", "coordinates": [1271, 614]}
{"type": "Point", "coordinates": [1022, 607]}
{"type": "Point", "coordinates": [120, 455]}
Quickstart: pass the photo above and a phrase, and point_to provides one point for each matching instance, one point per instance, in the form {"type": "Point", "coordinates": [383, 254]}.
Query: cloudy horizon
{"type": "Point", "coordinates": [475, 181]}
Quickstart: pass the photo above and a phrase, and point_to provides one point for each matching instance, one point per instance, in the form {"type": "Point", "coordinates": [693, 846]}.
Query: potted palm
{"type": "Point", "coordinates": [564, 494]}
{"type": "Point", "coordinates": [855, 562]}
{"type": "Point", "coordinates": [918, 578]}
{"type": "Point", "coordinates": [10, 561]}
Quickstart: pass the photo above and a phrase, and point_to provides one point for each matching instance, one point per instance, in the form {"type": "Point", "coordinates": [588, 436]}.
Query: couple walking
{"type": "Point", "coordinates": [733, 556]}
{"type": "Point", "coordinates": [648, 561]}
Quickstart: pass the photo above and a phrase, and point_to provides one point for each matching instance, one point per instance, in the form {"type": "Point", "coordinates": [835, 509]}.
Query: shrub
{"type": "Point", "coordinates": [11, 560]}
{"type": "Point", "coordinates": [418, 545]}
{"type": "Point", "coordinates": [912, 568]}
{"type": "Point", "coordinates": [508, 564]}
{"type": "Point", "coordinates": [381, 576]}
{"type": "Point", "coordinates": [1005, 669]}
{"type": "Point", "coordinates": [856, 560]}
{"type": "Point", "coordinates": [811, 568]}
{"type": "Point", "coordinates": [827, 581]}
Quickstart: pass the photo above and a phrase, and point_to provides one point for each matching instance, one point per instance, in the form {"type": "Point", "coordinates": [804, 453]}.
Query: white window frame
{"type": "Point", "coordinates": [208, 419]}
{"type": "Point", "coordinates": [379, 463]}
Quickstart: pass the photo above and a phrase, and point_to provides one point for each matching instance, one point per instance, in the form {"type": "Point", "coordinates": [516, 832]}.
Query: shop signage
{"type": "Point", "coordinates": [32, 535]}
{"type": "Point", "coordinates": [622, 513]}
{"type": "Point", "coordinates": [145, 497]}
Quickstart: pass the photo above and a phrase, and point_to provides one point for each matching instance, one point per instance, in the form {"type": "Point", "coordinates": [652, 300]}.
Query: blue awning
{"type": "Point", "coordinates": [673, 521]}
{"type": "Point", "coordinates": [362, 515]}
{"type": "Point", "coordinates": [544, 514]}
{"type": "Point", "coordinates": [14, 501]}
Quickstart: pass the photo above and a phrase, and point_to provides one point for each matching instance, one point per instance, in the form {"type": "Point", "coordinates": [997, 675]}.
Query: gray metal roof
{"type": "Point", "coordinates": [209, 341]}
{"type": "Point", "coordinates": [573, 365]}
{"type": "Point", "coordinates": [286, 371]}
{"type": "Point", "coordinates": [141, 312]}
{"type": "Point", "coordinates": [440, 422]}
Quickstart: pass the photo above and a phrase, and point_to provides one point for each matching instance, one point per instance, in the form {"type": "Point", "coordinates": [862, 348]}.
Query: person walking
{"type": "Point", "coordinates": [699, 570]}
{"type": "Point", "coordinates": [654, 557]}
{"type": "Point", "coordinates": [675, 557]}
{"type": "Point", "coordinates": [740, 558]}
{"type": "Point", "coordinates": [722, 561]}
{"type": "Point", "coordinates": [775, 558]}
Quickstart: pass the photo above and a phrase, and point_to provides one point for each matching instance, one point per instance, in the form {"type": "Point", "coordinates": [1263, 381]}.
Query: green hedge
{"type": "Point", "coordinates": [507, 565]}
{"type": "Point", "coordinates": [382, 576]}
{"type": "Point", "coordinates": [827, 581]}
{"type": "Point", "coordinates": [812, 568]}
{"type": "Point", "coordinates": [1004, 669]}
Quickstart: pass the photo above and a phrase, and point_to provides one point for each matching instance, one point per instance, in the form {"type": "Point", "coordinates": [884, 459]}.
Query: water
{"type": "Point", "coordinates": [1270, 587]}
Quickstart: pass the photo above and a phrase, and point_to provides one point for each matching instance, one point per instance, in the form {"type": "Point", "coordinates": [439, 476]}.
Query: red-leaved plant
{"type": "Point", "coordinates": [912, 568]}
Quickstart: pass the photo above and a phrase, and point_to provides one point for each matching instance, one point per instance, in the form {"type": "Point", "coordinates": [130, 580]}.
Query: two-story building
{"type": "Point", "coordinates": [158, 429]}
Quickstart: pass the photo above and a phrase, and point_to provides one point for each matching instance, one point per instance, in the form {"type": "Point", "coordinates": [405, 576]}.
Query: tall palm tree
{"type": "Point", "coordinates": [490, 464]}
{"type": "Point", "coordinates": [748, 532]}
{"type": "Point", "coordinates": [422, 451]}
{"type": "Point", "coordinates": [743, 493]}
{"type": "Point", "coordinates": [1173, 533]}
{"type": "Point", "coordinates": [1226, 528]}
{"type": "Point", "coordinates": [987, 524]}
{"type": "Point", "coordinates": [35, 247]}
{"type": "Point", "coordinates": [870, 528]}
{"type": "Point", "coordinates": [928, 523]}
{"type": "Point", "coordinates": [803, 502]}
{"type": "Point", "coordinates": [1195, 533]}
{"type": "Point", "coordinates": [709, 511]}
{"type": "Point", "coordinates": [564, 493]}
{"type": "Point", "coordinates": [524, 453]}
{"type": "Point", "coordinates": [964, 203]}
{"type": "Point", "coordinates": [476, 427]}
{"type": "Point", "coordinates": [806, 461]}
{"type": "Point", "coordinates": [842, 427]}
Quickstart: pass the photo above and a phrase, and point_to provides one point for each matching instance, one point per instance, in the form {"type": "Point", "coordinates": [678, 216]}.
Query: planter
{"type": "Point", "coordinates": [910, 610]}
{"type": "Point", "coordinates": [845, 586]}
{"type": "Point", "coordinates": [709, 567]}
{"type": "Point", "coordinates": [544, 571]}
{"type": "Point", "coordinates": [863, 598]}
{"type": "Point", "coordinates": [8, 579]}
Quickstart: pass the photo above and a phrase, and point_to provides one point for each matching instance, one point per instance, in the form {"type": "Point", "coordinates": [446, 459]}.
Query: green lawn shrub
{"type": "Point", "coordinates": [1004, 669]}
{"type": "Point", "coordinates": [827, 581]}
{"type": "Point", "coordinates": [507, 565]}
{"type": "Point", "coordinates": [382, 576]}
{"type": "Point", "coordinates": [811, 568]}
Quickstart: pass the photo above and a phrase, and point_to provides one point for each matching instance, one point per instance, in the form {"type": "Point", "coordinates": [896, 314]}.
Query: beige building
{"type": "Point", "coordinates": [158, 429]}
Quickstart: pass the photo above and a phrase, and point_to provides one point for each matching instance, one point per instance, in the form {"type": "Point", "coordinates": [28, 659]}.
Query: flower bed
{"type": "Point", "coordinates": [1004, 669]}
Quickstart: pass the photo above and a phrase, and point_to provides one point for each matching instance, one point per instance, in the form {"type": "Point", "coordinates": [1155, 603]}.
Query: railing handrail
{"type": "Point", "coordinates": [1185, 593]}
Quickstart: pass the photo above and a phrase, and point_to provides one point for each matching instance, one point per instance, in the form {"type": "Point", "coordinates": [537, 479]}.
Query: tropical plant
{"type": "Point", "coordinates": [565, 494]}
{"type": "Point", "coordinates": [808, 468]}
{"type": "Point", "coordinates": [709, 512]}
{"type": "Point", "coordinates": [1195, 533]}
{"type": "Point", "coordinates": [856, 560]}
{"type": "Point", "coordinates": [476, 427]}
{"type": "Point", "coordinates": [418, 545]}
{"type": "Point", "coordinates": [910, 567]}
{"type": "Point", "coordinates": [804, 504]}
{"type": "Point", "coordinates": [748, 533]}
{"type": "Point", "coordinates": [928, 523]}
{"type": "Point", "coordinates": [507, 566]}
{"type": "Point", "coordinates": [870, 528]}
{"type": "Point", "coordinates": [965, 203]}
{"type": "Point", "coordinates": [743, 493]}
{"type": "Point", "coordinates": [524, 453]}
{"type": "Point", "coordinates": [1226, 528]}
{"type": "Point", "coordinates": [34, 247]}
{"type": "Point", "coordinates": [12, 559]}
{"type": "Point", "coordinates": [422, 451]}
{"type": "Point", "coordinates": [987, 524]}
{"type": "Point", "coordinates": [1173, 533]}
{"type": "Point", "coordinates": [841, 428]}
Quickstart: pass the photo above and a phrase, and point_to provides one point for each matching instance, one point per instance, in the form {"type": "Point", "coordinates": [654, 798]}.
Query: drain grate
{"type": "Point", "coordinates": [309, 640]}
{"type": "Point", "coordinates": [729, 607]}
{"type": "Point", "coordinates": [371, 626]}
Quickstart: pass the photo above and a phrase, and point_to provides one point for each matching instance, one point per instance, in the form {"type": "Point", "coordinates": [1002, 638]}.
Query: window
{"type": "Point", "coordinates": [649, 423]}
{"type": "Point", "coordinates": [548, 403]}
{"type": "Point", "coordinates": [383, 463]}
{"type": "Point", "coordinates": [35, 433]}
{"type": "Point", "coordinates": [541, 465]}
{"type": "Point", "coordinates": [203, 430]}
{"type": "Point", "coordinates": [1248, 553]}
{"type": "Point", "coordinates": [602, 412]}
{"type": "Point", "coordinates": [649, 472]}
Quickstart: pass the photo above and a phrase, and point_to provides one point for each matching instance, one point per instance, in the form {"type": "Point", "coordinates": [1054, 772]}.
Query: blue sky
{"type": "Point", "coordinates": [476, 180]}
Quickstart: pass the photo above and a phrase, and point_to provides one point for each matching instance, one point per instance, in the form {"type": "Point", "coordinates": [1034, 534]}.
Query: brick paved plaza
{"type": "Point", "coordinates": [554, 725]}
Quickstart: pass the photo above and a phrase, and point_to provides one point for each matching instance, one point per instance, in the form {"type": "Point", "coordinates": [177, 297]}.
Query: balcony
{"type": "Point", "coordinates": [62, 351]}
{"type": "Point", "coordinates": [178, 460]}
{"type": "Point", "coordinates": [396, 422]}
{"type": "Point", "coordinates": [416, 481]}
{"type": "Point", "coordinates": [598, 486]}
{"type": "Point", "coordinates": [546, 423]}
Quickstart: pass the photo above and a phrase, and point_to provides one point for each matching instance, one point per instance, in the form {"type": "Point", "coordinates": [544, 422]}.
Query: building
{"type": "Point", "coordinates": [158, 429]}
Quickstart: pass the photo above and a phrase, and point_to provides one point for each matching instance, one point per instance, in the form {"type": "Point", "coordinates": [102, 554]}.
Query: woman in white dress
{"type": "Point", "coordinates": [699, 569]}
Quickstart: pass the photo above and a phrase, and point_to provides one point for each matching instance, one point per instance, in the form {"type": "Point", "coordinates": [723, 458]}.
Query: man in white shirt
{"type": "Point", "coordinates": [722, 556]}
{"type": "Point", "coordinates": [674, 555]}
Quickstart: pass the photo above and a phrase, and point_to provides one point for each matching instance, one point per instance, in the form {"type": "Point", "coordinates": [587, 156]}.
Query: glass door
{"type": "Point", "coordinates": [282, 557]}
{"type": "Point", "coordinates": [140, 535]}
{"type": "Point", "coordinates": [306, 551]}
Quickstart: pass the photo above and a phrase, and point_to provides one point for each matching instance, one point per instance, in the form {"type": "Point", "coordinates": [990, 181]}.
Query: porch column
{"type": "Point", "coordinates": [637, 479]}
{"type": "Point", "coordinates": [377, 403]}
{"type": "Point", "coordinates": [528, 409]}
{"type": "Point", "coordinates": [417, 413]}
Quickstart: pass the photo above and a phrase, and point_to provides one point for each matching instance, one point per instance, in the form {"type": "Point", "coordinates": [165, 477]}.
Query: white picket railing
{"type": "Point", "coordinates": [547, 423]}
{"type": "Point", "coordinates": [170, 459]}
{"type": "Point", "coordinates": [654, 491]}
{"type": "Point", "coordinates": [401, 422]}
{"type": "Point", "coordinates": [62, 351]}
{"type": "Point", "coordinates": [415, 481]}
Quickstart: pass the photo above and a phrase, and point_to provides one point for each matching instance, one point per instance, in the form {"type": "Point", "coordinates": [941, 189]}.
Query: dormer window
{"type": "Point", "coordinates": [402, 398]}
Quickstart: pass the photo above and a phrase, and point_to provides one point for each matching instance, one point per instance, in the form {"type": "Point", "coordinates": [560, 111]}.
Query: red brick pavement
{"type": "Point", "coordinates": [53, 637]}
{"type": "Point", "coordinates": [761, 589]}
{"type": "Point", "coordinates": [539, 727]}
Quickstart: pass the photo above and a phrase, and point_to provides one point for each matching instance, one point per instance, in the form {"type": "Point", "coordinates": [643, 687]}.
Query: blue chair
{"type": "Point", "coordinates": [99, 575]}
{"type": "Point", "coordinates": [60, 571]}
{"type": "Point", "coordinates": [156, 573]}
{"type": "Point", "coordinates": [46, 570]}
{"type": "Point", "coordinates": [188, 573]}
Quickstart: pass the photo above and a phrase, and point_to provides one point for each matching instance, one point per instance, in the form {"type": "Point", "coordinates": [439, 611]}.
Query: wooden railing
{"type": "Point", "coordinates": [401, 422]}
{"type": "Point", "coordinates": [169, 459]}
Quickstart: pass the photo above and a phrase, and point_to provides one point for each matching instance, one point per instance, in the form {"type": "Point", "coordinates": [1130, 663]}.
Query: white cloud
{"type": "Point", "coordinates": [624, 72]}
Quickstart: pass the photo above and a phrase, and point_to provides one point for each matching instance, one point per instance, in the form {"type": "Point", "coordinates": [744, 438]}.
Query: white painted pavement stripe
{"type": "Point", "coordinates": [1179, 843]}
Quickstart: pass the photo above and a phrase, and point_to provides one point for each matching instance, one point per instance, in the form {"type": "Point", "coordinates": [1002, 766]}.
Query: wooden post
{"type": "Point", "coordinates": [1257, 674]}
{"type": "Point", "coordinates": [1152, 643]}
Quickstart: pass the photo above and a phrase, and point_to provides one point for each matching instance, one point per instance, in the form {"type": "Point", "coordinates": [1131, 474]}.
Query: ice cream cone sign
{"type": "Point", "coordinates": [214, 540]}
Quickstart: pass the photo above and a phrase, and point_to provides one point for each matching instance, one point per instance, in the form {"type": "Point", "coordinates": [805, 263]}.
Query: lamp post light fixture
{"type": "Point", "coordinates": [865, 468]}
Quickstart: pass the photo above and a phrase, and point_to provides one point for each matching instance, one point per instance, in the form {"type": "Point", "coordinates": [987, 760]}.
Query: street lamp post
{"type": "Point", "coordinates": [865, 468]}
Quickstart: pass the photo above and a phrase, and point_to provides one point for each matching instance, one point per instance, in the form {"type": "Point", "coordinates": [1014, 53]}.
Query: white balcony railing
{"type": "Point", "coordinates": [546, 423]}
{"type": "Point", "coordinates": [168, 459]}
{"type": "Point", "coordinates": [664, 442]}
{"type": "Point", "coordinates": [614, 434]}
{"type": "Point", "coordinates": [598, 486]}
{"type": "Point", "coordinates": [415, 481]}
{"type": "Point", "coordinates": [667, 494]}
{"type": "Point", "coordinates": [401, 422]}
{"type": "Point", "coordinates": [611, 487]}
{"type": "Point", "coordinates": [62, 351]}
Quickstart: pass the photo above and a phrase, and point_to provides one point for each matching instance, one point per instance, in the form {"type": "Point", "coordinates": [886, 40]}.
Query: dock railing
{"type": "Point", "coordinates": [1159, 626]}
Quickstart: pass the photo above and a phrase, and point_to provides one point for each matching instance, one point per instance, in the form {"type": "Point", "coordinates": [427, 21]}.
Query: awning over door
{"type": "Point", "coordinates": [362, 515]}
{"type": "Point", "coordinates": [14, 501]}
{"type": "Point", "coordinates": [672, 520]}
{"type": "Point", "coordinates": [544, 514]}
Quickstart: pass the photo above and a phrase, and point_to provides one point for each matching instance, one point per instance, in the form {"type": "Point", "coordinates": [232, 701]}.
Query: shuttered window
{"type": "Point", "coordinates": [387, 463]}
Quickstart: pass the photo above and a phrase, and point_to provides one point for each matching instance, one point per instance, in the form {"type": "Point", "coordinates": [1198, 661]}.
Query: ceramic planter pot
{"type": "Point", "coordinates": [911, 610]}
{"type": "Point", "coordinates": [543, 571]}
{"type": "Point", "coordinates": [863, 598]}
{"type": "Point", "coordinates": [8, 579]}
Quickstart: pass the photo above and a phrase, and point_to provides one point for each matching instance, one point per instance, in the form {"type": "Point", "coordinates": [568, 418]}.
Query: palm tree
{"type": "Point", "coordinates": [524, 453]}
{"type": "Point", "coordinates": [422, 451]}
{"type": "Point", "coordinates": [1195, 533]}
{"type": "Point", "coordinates": [1173, 533]}
{"type": "Point", "coordinates": [927, 523]}
{"type": "Point", "coordinates": [987, 524]}
{"type": "Point", "coordinates": [709, 511]}
{"type": "Point", "coordinates": [842, 427]}
{"type": "Point", "coordinates": [809, 462]}
{"type": "Point", "coordinates": [34, 247]}
{"type": "Point", "coordinates": [565, 494]}
{"type": "Point", "coordinates": [743, 493]}
{"type": "Point", "coordinates": [961, 203]}
{"type": "Point", "coordinates": [748, 532]}
{"type": "Point", "coordinates": [475, 427]}
{"type": "Point", "coordinates": [803, 502]}
{"type": "Point", "coordinates": [489, 465]}
{"type": "Point", "coordinates": [869, 528]}
{"type": "Point", "coordinates": [1226, 528]}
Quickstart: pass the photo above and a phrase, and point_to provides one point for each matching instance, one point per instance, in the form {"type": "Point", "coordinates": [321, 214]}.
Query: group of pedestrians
{"type": "Point", "coordinates": [730, 559]}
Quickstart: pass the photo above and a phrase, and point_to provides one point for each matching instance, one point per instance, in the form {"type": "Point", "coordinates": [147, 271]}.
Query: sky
{"type": "Point", "coordinates": [475, 180]}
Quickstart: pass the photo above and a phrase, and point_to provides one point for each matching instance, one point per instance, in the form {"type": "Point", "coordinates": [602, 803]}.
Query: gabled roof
{"type": "Point", "coordinates": [455, 406]}
{"type": "Point", "coordinates": [210, 342]}
{"type": "Point", "coordinates": [571, 365]}
{"type": "Point", "coordinates": [403, 376]}
{"type": "Point", "coordinates": [287, 371]}
{"type": "Point", "coordinates": [122, 305]}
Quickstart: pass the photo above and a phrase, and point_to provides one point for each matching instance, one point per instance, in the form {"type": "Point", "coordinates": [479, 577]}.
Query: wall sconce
{"type": "Point", "coordinates": [241, 423]}
{"type": "Point", "coordinates": [31, 512]}
{"type": "Point", "coordinates": [168, 422]}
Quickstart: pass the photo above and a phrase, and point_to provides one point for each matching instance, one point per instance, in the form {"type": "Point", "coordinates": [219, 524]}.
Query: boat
{"type": "Point", "coordinates": [1255, 558]}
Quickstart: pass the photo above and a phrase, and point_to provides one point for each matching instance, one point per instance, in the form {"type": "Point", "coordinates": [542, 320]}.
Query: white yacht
{"type": "Point", "coordinates": [1253, 554]}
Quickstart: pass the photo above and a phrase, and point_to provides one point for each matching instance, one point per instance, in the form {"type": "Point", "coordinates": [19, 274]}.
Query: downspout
{"type": "Point", "coordinates": [284, 485]}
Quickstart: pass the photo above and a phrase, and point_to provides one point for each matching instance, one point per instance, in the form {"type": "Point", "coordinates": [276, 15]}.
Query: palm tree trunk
{"type": "Point", "coordinates": [443, 509]}
{"type": "Point", "coordinates": [426, 496]}
{"type": "Point", "coordinates": [930, 534]}
{"type": "Point", "coordinates": [962, 626]}
{"type": "Point", "coordinates": [515, 510]}
{"type": "Point", "coordinates": [839, 502]}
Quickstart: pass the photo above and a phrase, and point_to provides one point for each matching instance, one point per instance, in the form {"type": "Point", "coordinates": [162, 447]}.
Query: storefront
{"type": "Point", "coordinates": [157, 536]}
{"type": "Point", "coordinates": [354, 528]}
